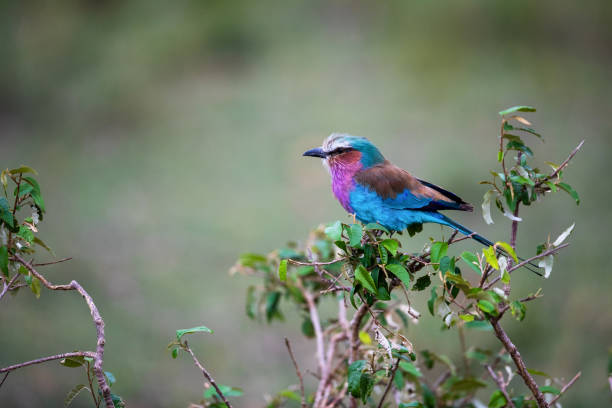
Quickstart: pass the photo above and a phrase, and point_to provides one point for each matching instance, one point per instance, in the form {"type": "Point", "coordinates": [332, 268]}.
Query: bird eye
{"type": "Point", "coordinates": [340, 150]}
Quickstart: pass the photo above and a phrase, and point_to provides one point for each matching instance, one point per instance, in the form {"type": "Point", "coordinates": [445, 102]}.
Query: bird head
{"type": "Point", "coordinates": [344, 150]}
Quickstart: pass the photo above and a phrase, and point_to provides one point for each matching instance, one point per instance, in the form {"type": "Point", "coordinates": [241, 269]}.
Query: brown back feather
{"type": "Point", "coordinates": [388, 180]}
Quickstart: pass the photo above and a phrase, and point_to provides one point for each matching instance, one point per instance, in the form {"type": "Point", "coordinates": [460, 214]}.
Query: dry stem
{"type": "Point", "coordinates": [98, 356]}
{"type": "Point", "coordinates": [206, 374]}
{"type": "Point", "coordinates": [297, 371]}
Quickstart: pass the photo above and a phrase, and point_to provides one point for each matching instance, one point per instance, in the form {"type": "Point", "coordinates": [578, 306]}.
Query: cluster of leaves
{"type": "Point", "coordinates": [20, 191]}
{"type": "Point", "coordinates": [364, 264]}
{"type": "Point", "coordinates": [22, 207]}
{"type": "Point", "coordinates": [521, 183]}
{"type": "Point", "coordinates": [87, 363]}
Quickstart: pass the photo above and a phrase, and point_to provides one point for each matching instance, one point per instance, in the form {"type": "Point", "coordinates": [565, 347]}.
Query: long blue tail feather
{"type": "Point", "coordinates": [478, 238]}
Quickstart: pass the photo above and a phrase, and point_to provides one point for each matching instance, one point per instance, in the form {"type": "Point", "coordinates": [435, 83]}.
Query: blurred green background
{"type": "Point", "coordinates": [168, 138]}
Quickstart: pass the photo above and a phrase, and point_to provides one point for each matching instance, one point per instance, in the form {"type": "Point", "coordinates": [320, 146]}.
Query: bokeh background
{"type": "Point", "coordinates": [168, 138]}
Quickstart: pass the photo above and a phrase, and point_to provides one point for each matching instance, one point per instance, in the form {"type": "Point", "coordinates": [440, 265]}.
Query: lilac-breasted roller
{"type": "Point", "coordinates": [374, 190]}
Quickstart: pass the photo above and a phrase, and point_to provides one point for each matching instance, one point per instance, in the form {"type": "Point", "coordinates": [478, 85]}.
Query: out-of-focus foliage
{"type": "Point", "coordinates": [21, 210]}
{"type": "Point", "coordinates": [168, 135]}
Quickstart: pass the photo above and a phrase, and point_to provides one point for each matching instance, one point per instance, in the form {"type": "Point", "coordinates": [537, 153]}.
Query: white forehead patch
{"type": "Point", "coordinates": [336, 140]}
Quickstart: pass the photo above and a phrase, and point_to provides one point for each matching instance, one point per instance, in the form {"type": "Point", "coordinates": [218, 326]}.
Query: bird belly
{"type": "Point", "coordinates": [370, 207]}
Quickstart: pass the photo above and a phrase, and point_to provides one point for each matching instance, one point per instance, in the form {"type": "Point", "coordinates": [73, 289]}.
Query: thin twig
{"type": "Point", "coordinates": [518, 361]}
{"type": "Point", "coordinates": [502, 386]}
{"type": "Point", "coordinates": [6, 286]}
{"type": "Point", "coordinates": [297, 371]}
{"type": "Point", "coordinates": [388, 387]}
{"type": "Point", "coordinates": [48, 358]}
{"type": "Point", "coordinates": [566, 387]}
{"type": "Point", "coordinates": [206, 374]}
{"type": "Point", "coordinates": [4, 379]}
{"type": "Point", "coordinates": [564, 164]}
{"type": "Point", "coordinates": [53, 262]}
{"type": "Point", "coordinates": [293, 261]}
{"type": "Point", "coordinates": [526, 261]}
{"type": "Point", "coordinates": [316, 323]}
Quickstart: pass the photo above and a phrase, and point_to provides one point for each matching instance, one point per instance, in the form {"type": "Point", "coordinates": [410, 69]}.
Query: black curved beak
{"type": "Point", "coordinates": [316, 152]}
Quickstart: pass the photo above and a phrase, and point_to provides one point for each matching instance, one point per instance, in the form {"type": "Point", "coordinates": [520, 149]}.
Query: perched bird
{"type": "Point", "coordinates": [374, 190]}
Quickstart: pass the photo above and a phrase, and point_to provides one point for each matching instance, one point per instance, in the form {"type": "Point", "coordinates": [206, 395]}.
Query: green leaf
{"type": "Point", "coordinates": [507, 249]}
{"type": "Point", "coordinates": [251, 303]}
{"type": "Point", "coordinates": [363, 276]}
{"type": "Point", "coordinates": [225, 389]}
{"type": "Point", "coordinates": [355, 232]}
{"type": "Point", "coordinates": [175, 352]}
{"type": "Point", "coordinates": [569, 190]}
{"type": "Point", "coordinates": [429, 398]}
{"type": "Point", "coordinates": [23, 169]}
{"type": "Point", "coordinates": [466, 317]}
{"type": "Point", "coordinates": [31, 181]}
{"type": "Point", "coordinates": [272, 301]}
{"type": "Point", "coordinates": [4, 261]}
{"type": "Point", "coordinates": [73, 393]}
{"type": "Point", "coordinates": [40, 242]}
{"type": "Point", "coordinates": [536, 372]}
{"type": "Point", "coordinates": [334, 231]}
{"type": "Point", "coordinates": [376, 226]}
{"type": "Point", "coordinates": [308, 328]}
{"type": "Point", "coordinates": [38, 200]}
{"type": "Point", "coordinates": [432, 300]}
{"type": "Point", "coordinates": [414, 229]}
{"type": "Point", "coordinates": [548, 389]}
{"type": "Point", "coordinates": [410, 404]}
{"type": "Point", "coordinates": [117, 400]}
{"type": "Point", "coordinates": [198, 329]}
{"type": "Point", "coordinates": [520, 108]}
{"type": "Point", "coordinates": [410, 368]}
{"type": "Point", "coordinates": [438, 250]}
{"type": "Point", "coordinates": [384, 255]}
{"type": "Point", "coordinates": [355, 371]}
{"type": "Point", "coordinates": [515, 145]}
{"type": "Point", "coordinates": [422, 283]}
{"type": "Point", "coordinates": [472, 260]}
{"type": "Point", "coordinates": [446, 265]}
{"type": "Point", "coordinates": [365, 337]}
{"type": "Point", "coordinates": [522, 180]}
{"type": "Point", "coordinates": [72, 362]}
{"type": "Point", "coordinates": [26, 234]}
{"type": "Point", "coordinates": [518, 310]}
{"type": "Point", "coordinates": [497, 400]}
{"type": "Point", "coordinates": [487, 307]}
{"type": "Point", "coordinates": [478, 355]}
{"type": "Point", "coordinates": [468, 384]}
{"type": "Point", "coordinates": [400, 272]}
{"type": "Point", "coordinates": [5, 213]}
{"type": "Point", "coordinates": [490, 256]}
{"type": "Point", "coordinates": [282, 270]}
{"type": "Point", "coordinates": [252, 260]}
{"type": "Point", "coordinates": [110, 378]}
{"type": "Point", "coordinates": [290, 395]}
{"type": "Point", "coordinates": [391, 245]}
{"type": "Point", "coordinates": [482, 325]}
{"type": "Point", "coordinates": [35, 287]}
{"type": "Point", "coordinates": [505, 278]}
